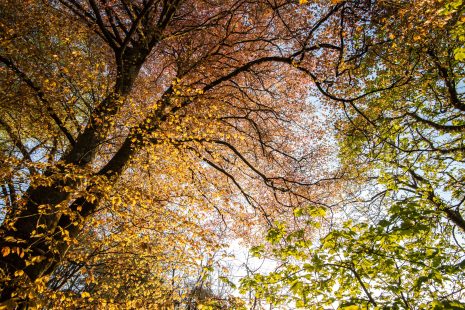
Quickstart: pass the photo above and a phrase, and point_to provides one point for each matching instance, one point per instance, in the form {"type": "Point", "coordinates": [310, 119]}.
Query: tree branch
{"type": "Point", "coordinates": [40, 94]}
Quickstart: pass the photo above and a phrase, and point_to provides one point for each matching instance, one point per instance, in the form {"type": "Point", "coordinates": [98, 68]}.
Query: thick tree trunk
{"type": "Point", "coordinates": [37, 226]}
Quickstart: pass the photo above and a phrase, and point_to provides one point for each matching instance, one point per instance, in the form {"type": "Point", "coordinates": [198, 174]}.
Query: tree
{"type": "Point", "coordinates": [401, 244]}
{"type": "Point", "coordinates": [172, 107]}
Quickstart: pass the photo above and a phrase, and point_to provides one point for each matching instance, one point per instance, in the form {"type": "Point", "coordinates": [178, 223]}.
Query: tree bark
{"type": "Point", "coordinates": [20, 228]}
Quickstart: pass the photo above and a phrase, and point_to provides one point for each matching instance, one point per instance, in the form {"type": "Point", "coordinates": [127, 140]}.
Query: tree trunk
{"type": "Point", "coordinates": [37, 226]}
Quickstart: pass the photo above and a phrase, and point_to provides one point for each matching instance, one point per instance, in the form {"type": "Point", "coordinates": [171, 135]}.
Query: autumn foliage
{"type": "Point", "coordinates": [139, 136]}
{"type": "Point", "coordinates": [138, 139]}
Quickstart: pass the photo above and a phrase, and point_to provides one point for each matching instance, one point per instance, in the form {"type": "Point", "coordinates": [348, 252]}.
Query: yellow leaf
{"type": "Point", "coordinates": [116, 200]}
{"type": "Point", "coordinates": [351, 307]}
{"type": "Point", "coordinates": [5, 251]}
{"type": "Point", "coordinates": [19, 273]}
{"type": "Point", "coordinates": [85, 295]}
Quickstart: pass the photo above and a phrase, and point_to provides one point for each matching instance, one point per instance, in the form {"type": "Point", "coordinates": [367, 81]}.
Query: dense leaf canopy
{"type": "Point", "coordinates": [138, 139]}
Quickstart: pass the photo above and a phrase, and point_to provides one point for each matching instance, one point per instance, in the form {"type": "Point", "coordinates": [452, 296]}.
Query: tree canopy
{"type": "Point", "coordinates": [139, 138]}
{"type": "Point", "coordinates": [400, 244]}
